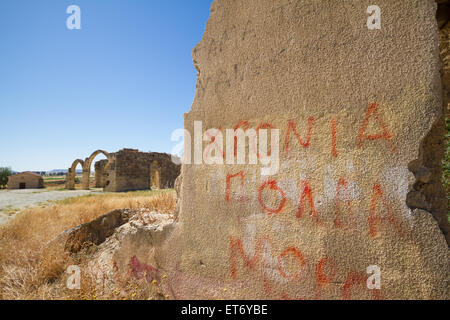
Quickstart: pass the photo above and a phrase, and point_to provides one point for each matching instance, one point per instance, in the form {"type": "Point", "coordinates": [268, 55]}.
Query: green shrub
{"type": "Point", "coordinates": [4, 174]}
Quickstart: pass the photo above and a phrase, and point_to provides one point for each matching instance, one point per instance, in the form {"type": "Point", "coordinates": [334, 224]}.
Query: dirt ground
{"type": "Point", "coordinates": [12, 201]}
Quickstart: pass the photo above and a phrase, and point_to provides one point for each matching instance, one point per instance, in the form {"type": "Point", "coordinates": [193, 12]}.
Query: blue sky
{"type": "Point", "coordinates": [124, 80]}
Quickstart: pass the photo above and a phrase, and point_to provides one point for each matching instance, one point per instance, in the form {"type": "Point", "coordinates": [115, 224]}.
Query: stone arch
{"type": "Point", "coordinates": [71, 173]}
{"type": "Point", "coordinates": [96, 153]}
{"type": "Point", "coordinates": [87, 167]}
{"type": "Point", "coordinates": [155, 175]}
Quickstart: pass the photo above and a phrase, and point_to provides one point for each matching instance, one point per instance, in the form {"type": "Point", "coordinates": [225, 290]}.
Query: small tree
{"type": "Point", "coordinates": [4, 174]}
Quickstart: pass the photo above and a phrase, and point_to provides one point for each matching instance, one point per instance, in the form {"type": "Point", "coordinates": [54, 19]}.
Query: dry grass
{"type": "Point", "coordinates": [29, 268]}
{"type": "Point", "coordinates": [126, 288]}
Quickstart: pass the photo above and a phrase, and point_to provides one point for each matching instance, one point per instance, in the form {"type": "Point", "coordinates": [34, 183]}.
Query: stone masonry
{"type": "Point", "coordinates": [134, 170]}
{"type": "Point", "coordinates": [127, 170]}
{"type": "Point", "coordinates": [101, 173]}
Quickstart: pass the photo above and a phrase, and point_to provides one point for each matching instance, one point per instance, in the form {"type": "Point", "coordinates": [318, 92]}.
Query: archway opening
{"type": "Point", "coordinates": [155, 176]}
{"type": "Point", "coordinates": [88, 180]}
{"type": "Point", "coordinates": [74, 175]}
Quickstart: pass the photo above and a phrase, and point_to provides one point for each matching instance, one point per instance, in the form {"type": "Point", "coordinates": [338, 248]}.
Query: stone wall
{"type": "Point", "coordinates": [101, 175]}
{"type": "Point", "coordinates": [131, 170]}
{"type": "Point", "coordinates": [359, 113]}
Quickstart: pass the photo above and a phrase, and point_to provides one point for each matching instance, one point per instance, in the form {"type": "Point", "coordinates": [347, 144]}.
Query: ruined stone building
{"type": "Point", "coordinates": [25, 180]}
{"type": "Point", "coordinates": [127, 170]}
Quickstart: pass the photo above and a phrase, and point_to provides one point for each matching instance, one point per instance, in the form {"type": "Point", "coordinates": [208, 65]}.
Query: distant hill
{"type": "Point", "coordinates": [60, 172]}
{"type": "Point", "coordinates": [54, 172]}
{"type": "Point", "coordinates": [57, 170]}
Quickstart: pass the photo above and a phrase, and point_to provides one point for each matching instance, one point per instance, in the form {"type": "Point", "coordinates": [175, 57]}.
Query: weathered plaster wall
{"type": "Point", "coordinates": [363, 104]}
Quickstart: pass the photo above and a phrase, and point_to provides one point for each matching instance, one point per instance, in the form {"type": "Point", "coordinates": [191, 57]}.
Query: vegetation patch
{"type": "Point", "coordinates": [31, 269]}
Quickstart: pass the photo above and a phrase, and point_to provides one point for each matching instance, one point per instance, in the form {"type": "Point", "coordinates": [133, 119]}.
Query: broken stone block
{"type": "Point", "coordinates": [94, 232]}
